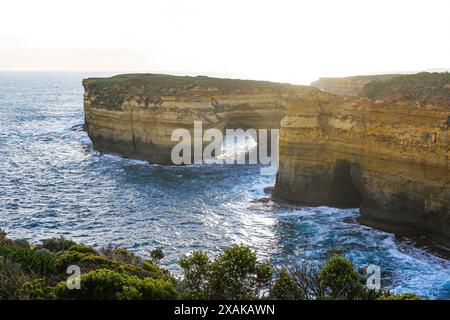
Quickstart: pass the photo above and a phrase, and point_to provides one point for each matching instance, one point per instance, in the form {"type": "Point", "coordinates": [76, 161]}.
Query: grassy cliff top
{"type": "Point", "coordinates": [111, 92]}
{"type": "Point", "coordinates": [423, 87]}
{"type": "Point", "coordinates": [164, 83]}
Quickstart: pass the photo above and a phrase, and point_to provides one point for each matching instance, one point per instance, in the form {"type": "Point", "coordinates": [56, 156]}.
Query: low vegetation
{"type": "Point", "coordinates": [424, 87]}
{"type": "Point", "coordinates": [34, 272]}
{"type": "Point", "coordinates": [111, 92]}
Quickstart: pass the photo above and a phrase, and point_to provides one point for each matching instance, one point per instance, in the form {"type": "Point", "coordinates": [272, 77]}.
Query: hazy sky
{"type": "Point", "coordinates": [291, 41]}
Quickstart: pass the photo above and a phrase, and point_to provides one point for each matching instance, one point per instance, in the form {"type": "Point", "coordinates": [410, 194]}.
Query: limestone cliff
{"type": "Point", "coordinates": [388, 155]}
{"type": "Point", "coordinates": [385, 151]}
{"type": "Point", "coordinates": [347, 86]}
{"type": "Point", "coordinates": [135, 115]}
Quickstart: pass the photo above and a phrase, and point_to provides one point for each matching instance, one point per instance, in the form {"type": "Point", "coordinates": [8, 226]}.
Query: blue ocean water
{"type": "Point", "coordinates": [52, 182]}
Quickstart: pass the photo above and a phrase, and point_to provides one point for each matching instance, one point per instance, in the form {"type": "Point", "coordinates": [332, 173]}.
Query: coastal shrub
{"type": "Point", "coordinates": [82, 249]}
{"type": "Point", "coordinates": [12, 278]}
{"type": "Point", "coordinates": [306, 276]}
{"type": "Point", "coordinates": [86, 261]}
{"type": "Point", "coordinates": [119, 274]}
{"type": "Point", "coordinates": [57, 244]}
{"type": "Point", "coordinates": [120, 255]}
{"type": "Point", "coordinates": [31, 261]}
{"type": "Point", "coordinates": [234, 274]}
{"type": "Point", "coordinates": [156, 255]}
{"type": "Point", "coordinates": [339, 280]}
{"type": "Point", "coordinates": [196, 268]}
{"type": "Point", "coordinates": [22, 243]}
{"type": "Point", "coordinates": [37, 289]}
{"type": "Point", "coordinates": [404, 296]}
{"type": "Point", "coordinates": [153, 270]}
{"type": "Point", "coordinates": [106, 284]}
{"type": "Point", "coordinates": [5, 241]}
{"type": "Point", "coordinates": [140, 272]}
{"type": "Point", "coordinates": [285, 288]}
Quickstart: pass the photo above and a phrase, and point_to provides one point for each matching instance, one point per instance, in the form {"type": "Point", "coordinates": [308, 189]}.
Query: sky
{"type": "Point", "coordinates": [288, 41]}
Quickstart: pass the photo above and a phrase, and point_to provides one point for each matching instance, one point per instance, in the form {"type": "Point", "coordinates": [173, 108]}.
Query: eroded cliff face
{"type": "Point", "coordinates": [388, 156]}
{"type": "Point", "coordinates": [135, 115]}
{"type": "Point", "coordinates": [385, 152]}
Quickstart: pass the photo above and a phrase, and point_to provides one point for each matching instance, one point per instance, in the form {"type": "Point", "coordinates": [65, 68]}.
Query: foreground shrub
{"type": "Point", "coordinates": [31, 261]}
{"type": "Point", "coordinates": [5, 241]}
{"type": "Point", "coordinates": [37, 289]}
{"type": "Point", "coordinates": [82, 249]}
{"type": "Point", "coordinates": [285, 287]}
{"type": "Point", "coordinates": [339, 280]}
{"type": "Point", "coordinates": [86, 261]}
{"type": "Point", "coordinates": [156, 255]}
{"type": "Point", "coordinates": [404, 296]}
{"type": "Point", "coordinates": [120, 255]}
{"type": "Point", "coordinates": [234, 274]}
{"type": "Point", "coordinates": [57, 244]}
{"type": "Point", "coordinates": [197, 271]}
{"type": "Point", "coordinates": [12, 278]}
{"type": "Point", "coordinates": [105, 284]}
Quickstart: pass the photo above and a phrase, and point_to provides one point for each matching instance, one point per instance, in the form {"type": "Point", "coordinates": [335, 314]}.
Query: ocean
{"type": "Point", "coordinates": [53, 182]}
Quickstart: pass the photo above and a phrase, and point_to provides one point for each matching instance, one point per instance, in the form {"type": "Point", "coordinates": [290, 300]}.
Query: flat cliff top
{"type": "Point", "coordinates": [169, 84]}
{"type": "Point", "coordinates": [111, 92]}
{"type": "Point", "coordinates": [350, 86]}
{"type": "Point", "coordinates": [425, 88]}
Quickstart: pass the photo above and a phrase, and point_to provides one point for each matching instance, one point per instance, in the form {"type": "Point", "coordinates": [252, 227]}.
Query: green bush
{"type": "Point", "coordinates": [197, 268]}
{"type": "Point", "coordinates": [12, 277]}
{"type": "Point", "coordinates": [285, 287]}
{"type": "Point", "coordinates": [37, 289]}
{"type": "Point", "coordinates": [86, 261]}
{"type": "Point", "coordinates": [31, 261]}
{"type": "Point", "coordinates": [22, 243]}
{"type": "Point", "coordinates": [82, 249]}
{"type": "Point", "coordinates": [156, 255]}
{"type": "Point", "coordinates": [339, 280]}
{"type": "Point", "coordinates": [57, 244]}
{"type": "Point", "coordinates": [105, 284]}
{"type": "Point", "coordinates": [5, 241]}
{"type": "Point", "coordinates": [404, 296]}
{"type": "Point", "coordinates": [120, 255]}
{"type": "Point", "coordinates": [234, 274]}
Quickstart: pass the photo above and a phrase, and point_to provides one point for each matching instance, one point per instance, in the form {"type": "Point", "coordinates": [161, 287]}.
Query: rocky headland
{"type": "Point", "coordinates": [386, 152]}
{"type": "Point", "coordinates": [348, 86]}
{"type": "Point", "coordinates": [135, 115]}
{"type": "Point", "coordinates": [381, 145]}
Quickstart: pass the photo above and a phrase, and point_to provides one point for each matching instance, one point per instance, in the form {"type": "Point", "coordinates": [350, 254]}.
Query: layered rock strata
{"type": "Point", "coordinates": [389, 155]}
{"type": "Point", "coordinates": [135, 115]}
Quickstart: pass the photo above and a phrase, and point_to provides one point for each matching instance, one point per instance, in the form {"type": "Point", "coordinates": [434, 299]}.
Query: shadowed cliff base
{"type": "Point", "coordinates": [385, 151]}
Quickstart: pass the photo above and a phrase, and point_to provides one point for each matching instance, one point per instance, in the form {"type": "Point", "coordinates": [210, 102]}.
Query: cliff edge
{"type": "Point", "coordinates": [386, 152]}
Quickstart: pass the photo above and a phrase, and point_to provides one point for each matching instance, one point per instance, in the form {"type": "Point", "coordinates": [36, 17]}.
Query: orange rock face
{"type": "Point", "coordinates": [388, 156]}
